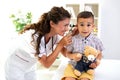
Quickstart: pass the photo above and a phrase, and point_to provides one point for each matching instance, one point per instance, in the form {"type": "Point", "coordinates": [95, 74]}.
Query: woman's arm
{"type": "Point", "coordinates": [47, 61]}
{"type": "Point", "coordinates": [63, 51]}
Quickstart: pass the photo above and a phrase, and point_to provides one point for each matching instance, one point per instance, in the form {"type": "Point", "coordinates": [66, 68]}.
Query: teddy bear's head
{"type": "Point", "coordinates": [91, 53]}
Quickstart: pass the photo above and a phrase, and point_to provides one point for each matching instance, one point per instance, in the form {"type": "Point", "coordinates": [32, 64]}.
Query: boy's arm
{"type": "Point", "coordinates": [74, 56]}
{"type": "Point", "coordinates": [70, 55]}
{"type": "Point", "coordinates": [98, 58]}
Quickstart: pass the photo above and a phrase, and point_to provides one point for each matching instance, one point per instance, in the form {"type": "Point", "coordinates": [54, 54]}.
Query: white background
{"type": "Point", "coordinates": [108, 31]}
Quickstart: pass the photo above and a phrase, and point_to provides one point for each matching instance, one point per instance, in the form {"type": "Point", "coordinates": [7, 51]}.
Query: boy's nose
{"type": "Point", "coordinates": [85, 27]}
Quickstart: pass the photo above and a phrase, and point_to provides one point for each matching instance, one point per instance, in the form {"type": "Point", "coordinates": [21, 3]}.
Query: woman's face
{"type": "Point", "coordinates": [61, 27]}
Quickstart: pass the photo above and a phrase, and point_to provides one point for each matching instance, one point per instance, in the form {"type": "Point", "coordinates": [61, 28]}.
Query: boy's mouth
{"type": "Point", "coordinates": [84, 32]}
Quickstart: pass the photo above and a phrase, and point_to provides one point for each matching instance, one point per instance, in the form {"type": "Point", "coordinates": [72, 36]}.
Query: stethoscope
{"type": "Point", "coordinates": [53, 42]}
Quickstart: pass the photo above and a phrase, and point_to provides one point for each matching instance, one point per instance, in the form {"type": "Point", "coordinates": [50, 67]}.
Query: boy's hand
{"type": "Point", "coordinates": [95, 64]}
{"type": "Point", "coordinates": [77, 56]}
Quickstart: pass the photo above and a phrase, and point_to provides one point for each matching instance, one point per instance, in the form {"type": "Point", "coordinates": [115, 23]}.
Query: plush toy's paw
{"type": "Point", "coordinates": [91, 71]}
{"type": "Point", "coordinates": [77, 73]}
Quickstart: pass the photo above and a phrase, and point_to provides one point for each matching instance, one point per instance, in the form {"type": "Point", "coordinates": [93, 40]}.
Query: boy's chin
{"type": "Point", "coordinates": [85, 35]}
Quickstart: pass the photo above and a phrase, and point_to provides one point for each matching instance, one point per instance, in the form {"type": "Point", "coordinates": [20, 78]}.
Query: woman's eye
{"type": "Point", "coordinates": [66, 25]}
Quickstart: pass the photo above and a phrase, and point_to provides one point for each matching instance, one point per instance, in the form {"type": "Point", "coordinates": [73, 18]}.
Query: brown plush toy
{"type": "Point", "coordinates": [88, 57]}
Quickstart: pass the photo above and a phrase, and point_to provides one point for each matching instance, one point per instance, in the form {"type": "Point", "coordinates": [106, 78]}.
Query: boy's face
{"type": "Point", "coordinates": [85, 26]}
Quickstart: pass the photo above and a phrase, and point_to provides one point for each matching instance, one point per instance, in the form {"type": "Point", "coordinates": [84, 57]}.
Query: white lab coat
{"type": "Point", "coordinates": [21, 63]}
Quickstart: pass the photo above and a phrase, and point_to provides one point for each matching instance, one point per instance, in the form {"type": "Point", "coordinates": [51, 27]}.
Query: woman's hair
{"type": "Point", "coordinates": [42, 27]}
{"type": "Point", "coordinates": [85, 14]}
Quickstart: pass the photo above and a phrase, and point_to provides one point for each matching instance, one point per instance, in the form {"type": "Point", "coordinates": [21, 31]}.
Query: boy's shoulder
{"type": "Point", "coordinates": [95, 37]}
{"type": "Point", "coordinates": [77, 36]}
{"type": "Point", "coordinates": [90, 37]}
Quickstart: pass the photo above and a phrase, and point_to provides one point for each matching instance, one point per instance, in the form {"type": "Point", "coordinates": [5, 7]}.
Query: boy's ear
{"type": "Point", "coordinates": [93, 25]}
{"type": "Point", "coordinates": [75, 31]}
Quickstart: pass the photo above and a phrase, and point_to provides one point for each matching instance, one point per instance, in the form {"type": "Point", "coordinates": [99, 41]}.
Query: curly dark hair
{"type": "Point", "coordinates": [42, 27]}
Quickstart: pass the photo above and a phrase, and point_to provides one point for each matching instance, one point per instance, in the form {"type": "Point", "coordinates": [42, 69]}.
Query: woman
{"type": "Point", "coordinates": [39, 42]}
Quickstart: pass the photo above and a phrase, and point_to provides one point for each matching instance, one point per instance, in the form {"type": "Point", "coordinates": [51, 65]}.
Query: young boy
{"type": "Point", "coordinates": [85, 25]}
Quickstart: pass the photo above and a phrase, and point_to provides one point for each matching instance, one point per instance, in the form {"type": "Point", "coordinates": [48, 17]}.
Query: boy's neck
{"type": "Point", "coordinates": [87, 36]}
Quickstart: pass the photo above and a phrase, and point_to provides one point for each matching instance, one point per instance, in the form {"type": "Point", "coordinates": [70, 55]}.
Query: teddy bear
{"type": "Point", "coordinates": [88, 57]}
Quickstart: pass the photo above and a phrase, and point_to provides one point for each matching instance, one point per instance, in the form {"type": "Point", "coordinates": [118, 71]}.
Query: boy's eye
{"type": "Point", "coordinates": [88, 25]}
{"type": "Point", "coordinates": [81, 24]}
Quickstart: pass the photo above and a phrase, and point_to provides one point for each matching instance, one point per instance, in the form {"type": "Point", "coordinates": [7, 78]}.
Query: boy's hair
{"type": "Point", "coordinates": [85, 14]}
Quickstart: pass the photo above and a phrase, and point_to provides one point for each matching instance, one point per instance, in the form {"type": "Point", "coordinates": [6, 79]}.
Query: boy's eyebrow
{"type": "Point", "coordinates": [90, 22]}
{"type": "Point", "coordinates": [87, 22]}
{"type": "Point", "coordinates": [81, 22]}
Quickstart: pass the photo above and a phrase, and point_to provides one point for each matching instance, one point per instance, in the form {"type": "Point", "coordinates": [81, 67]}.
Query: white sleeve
{"type": "Point", "coordinates": [42, 52]}
{"type": "Point", "coordinates": [42, 48]}
{"type": "Point", "coordinates": [46, 51]}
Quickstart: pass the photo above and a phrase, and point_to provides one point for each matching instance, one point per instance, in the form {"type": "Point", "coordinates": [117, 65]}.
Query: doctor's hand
{"type": "Point", "coordinates": [66, 40]}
